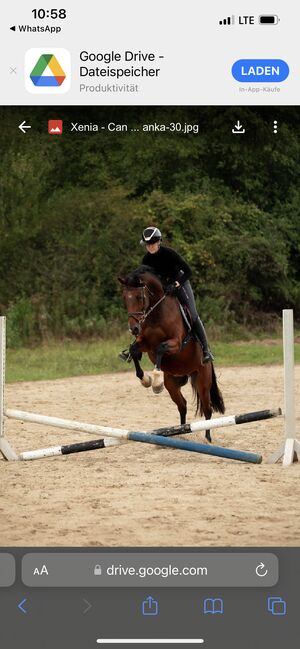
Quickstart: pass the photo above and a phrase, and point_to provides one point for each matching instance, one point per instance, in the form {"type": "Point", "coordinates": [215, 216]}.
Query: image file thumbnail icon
{"type": "Point", "coordinates": [55, 126]}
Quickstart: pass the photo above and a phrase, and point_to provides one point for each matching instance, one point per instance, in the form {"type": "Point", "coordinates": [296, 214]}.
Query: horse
{"type": "Point", "coordinates": [161, 331]}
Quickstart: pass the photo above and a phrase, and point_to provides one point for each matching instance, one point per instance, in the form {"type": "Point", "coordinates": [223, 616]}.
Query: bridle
{"type": "Point", "coordinates": [145, 311]}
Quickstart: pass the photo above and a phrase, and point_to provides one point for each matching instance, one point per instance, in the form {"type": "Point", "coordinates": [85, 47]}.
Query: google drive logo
{"type": "Point", "coordinates": [47, 70]}
{"type": "Point", "coordinates": [57, 76]}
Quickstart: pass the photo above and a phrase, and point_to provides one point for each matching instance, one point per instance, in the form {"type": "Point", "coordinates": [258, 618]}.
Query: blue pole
{"type": "Point", "coordinates": [185, 445]}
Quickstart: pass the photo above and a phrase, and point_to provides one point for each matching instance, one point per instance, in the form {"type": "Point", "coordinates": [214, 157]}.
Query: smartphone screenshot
{"type": "Point", "coordinates": [149, 324]}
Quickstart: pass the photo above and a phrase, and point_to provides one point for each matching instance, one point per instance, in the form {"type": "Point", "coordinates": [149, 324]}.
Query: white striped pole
{"type": "Point", "coordinates": [5, 447]}
{"type": "Point", "coordinates": [67, 449]}
{"type": "Point", "coordinates": [220, 422]}
{"type": "Point", "coordinates": [292, 446]}
{"type": "Point", "coordinates": [68, 424]}
{"type": "Point", "coordinates": [2, 374]}
{"type": "Point", "coordinates": [290, 449]}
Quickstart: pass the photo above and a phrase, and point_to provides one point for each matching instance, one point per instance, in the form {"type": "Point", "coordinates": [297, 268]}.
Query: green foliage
{"type": "Point", "coordinates": [20, 322]}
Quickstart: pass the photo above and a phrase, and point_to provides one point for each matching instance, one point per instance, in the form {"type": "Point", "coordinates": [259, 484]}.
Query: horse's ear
{"type": "Point", "coordinates": [121, 280]}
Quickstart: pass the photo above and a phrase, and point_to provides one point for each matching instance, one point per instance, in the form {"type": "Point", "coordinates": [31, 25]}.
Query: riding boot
{"type": "Point", "coordinates": [125, 356]}
{"type": "Point", "coordinates": [199, 331]}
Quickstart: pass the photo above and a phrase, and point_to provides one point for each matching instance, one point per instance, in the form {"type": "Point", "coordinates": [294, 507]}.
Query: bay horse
{"type": "Point", "coordinates": [156, 321]}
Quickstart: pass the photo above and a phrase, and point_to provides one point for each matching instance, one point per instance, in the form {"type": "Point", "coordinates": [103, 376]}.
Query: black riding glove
{"type": "Point", "coordinates": [171, 289]}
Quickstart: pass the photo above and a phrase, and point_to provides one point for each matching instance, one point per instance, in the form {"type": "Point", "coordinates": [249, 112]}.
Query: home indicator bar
{"type": "Point", "coordinates": [104, 641]}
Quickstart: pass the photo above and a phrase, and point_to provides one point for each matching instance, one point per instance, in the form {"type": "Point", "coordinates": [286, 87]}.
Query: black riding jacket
{"type": "Point", "coordinates": [167, 263]}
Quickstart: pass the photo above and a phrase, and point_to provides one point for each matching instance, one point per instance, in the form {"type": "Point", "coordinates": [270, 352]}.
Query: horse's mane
{"type": "Point", "coordinates": [136, 277]}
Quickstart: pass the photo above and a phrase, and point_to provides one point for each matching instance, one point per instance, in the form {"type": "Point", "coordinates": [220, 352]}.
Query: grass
{"type": "Point", "coordinates": [59, 360]}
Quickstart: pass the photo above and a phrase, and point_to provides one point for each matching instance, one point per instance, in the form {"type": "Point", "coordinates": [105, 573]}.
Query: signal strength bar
{"type": "Point", "coordinates": [227, 21]}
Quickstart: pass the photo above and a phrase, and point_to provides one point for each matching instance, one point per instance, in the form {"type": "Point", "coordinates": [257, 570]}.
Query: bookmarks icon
{"type": "Point", "coordinates": [213, 606]}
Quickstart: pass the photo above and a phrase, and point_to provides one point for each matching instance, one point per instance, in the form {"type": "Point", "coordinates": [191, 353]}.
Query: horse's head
{"type": "Point", "coordinates": [141, 290]}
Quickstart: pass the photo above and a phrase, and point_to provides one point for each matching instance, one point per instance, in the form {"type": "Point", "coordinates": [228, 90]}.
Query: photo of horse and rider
{"type": "Point", "coordinates": [141, 258]}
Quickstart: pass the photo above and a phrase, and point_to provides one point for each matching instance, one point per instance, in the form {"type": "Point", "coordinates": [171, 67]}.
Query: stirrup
{"type": "Point", "coordinates": [207, 356]}
{"type": "Point", "coordinates": [125, 356]}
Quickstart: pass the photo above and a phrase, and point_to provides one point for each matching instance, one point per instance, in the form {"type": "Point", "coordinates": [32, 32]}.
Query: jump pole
{"type": "Point", "coordinates": [67, 449]}
{"type": "Point", "coordinates": [220, 422]}
{"type": "Point", "coordinates": [5, 447]}
{"type": "Point", "coordinates": [147, 438]}
{"type": "Point", "coordinates": [289, 451]}
{"type": "Point", "coordinates": [120, 436]}
{"type": "Point", "coordinates": [185, 445]}
{"type": "Point", "coordinates": [67, 424]}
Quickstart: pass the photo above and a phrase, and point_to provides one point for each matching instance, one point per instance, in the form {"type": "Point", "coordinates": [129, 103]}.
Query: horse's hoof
{"type": "Point", "coordinates": [146, 381]}
{"type": "Point", "coordinates": [158, 388]}
{"type": "Point", "coordinates": [158, 382]}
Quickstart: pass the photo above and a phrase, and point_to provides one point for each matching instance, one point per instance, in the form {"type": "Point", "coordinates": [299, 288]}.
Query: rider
{"type": "Point", "coordinates": [175, 274]}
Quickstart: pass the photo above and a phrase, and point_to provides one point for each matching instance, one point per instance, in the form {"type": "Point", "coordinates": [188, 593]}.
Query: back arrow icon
{"type": "Point", "coordinates": [24, 126]}
{"type": "Point", "coordinates": [20, 605]}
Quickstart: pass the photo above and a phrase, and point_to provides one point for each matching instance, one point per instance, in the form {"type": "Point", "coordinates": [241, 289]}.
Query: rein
{"type": "Point", "coordinates": [145, 313]}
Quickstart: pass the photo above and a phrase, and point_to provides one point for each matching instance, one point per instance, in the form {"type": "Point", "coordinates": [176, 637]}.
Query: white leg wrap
{"type": "Point", "coordinates": [158, 381]}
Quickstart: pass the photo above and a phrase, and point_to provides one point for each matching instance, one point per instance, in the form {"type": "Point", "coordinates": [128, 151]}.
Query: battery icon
{"type": "Point", "coordinates": [268, 20]}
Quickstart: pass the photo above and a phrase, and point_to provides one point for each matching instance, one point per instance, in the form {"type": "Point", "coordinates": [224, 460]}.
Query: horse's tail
{"type": "Point", "coordinates": [216, 398]}
{"type": "Point", "coordinates": [199, 409]}
{"type": "Point", "coordinates": [215, 394]}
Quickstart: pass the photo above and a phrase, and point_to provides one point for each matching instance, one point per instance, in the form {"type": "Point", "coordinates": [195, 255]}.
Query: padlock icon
{"type": "Point", "coordinates": [97, 570]}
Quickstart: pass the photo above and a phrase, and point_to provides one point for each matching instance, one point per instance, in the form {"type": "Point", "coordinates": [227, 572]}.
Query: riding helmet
{"type": "Point", "coordinates": [151, 235]}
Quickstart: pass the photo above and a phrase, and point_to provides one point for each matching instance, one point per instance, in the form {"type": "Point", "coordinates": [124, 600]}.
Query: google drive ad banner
{"type": "Point", "coordinates": [118, 54]}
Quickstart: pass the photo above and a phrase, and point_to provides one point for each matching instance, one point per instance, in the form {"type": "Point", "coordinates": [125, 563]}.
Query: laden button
{"type": "Point", "coordinates": [260, 70]}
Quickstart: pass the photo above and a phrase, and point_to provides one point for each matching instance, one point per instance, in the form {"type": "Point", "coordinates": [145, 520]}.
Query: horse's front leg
{"type": "Point", "coordinates": [171, 346]}
{"type": "Point", "coordinates": [136, 355]}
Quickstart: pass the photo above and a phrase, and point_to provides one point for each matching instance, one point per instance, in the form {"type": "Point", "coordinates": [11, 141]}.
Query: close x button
{"type": "Point", "coordinates": [260, 70]}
